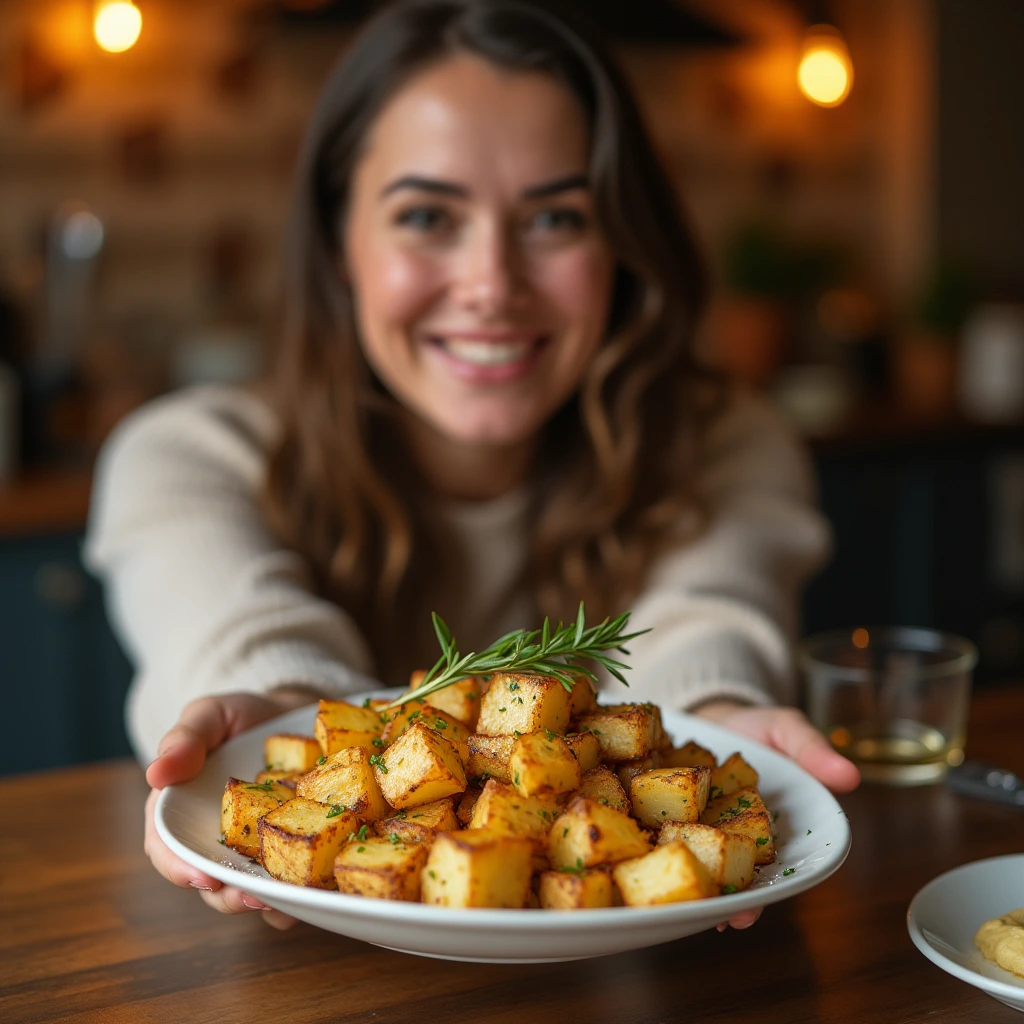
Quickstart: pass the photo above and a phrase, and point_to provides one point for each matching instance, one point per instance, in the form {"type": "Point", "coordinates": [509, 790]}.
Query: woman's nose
{"type": "Point", "coordinates": [488, 281]}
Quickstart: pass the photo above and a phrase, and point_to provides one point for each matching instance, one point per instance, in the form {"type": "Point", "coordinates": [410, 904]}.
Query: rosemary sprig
{"type": "Point", "coordinates": [561, 653]}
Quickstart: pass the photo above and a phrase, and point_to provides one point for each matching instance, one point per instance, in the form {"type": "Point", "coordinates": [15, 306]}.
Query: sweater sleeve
{"type": "Point", "coordinates": [203, 597]}
{"type": "Point", "coordinates": [723, 609]}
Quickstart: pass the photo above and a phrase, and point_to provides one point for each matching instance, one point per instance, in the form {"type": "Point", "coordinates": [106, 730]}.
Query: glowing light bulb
{"type": "Point", "coordinates": [826, 71]}
{"type": "Point", "coordinates": [117, 25]}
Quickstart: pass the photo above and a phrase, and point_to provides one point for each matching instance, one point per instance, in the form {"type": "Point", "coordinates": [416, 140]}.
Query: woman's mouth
{"type": "Point", "coordinates": [489, 359]}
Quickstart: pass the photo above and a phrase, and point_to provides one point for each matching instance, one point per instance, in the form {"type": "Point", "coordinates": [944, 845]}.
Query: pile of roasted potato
{"type": "Point", "coordinates": [506, 793]}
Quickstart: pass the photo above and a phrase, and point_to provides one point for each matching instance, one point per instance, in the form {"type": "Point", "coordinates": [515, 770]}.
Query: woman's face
{"type": "Point", "coordinates": [481, 279]}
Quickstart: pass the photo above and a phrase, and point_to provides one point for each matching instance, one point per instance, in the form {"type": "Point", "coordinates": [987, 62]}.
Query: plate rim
{"type": "Point", "coordinates": [519, 920]}
{"type": "Point", "coordinates": [992, 986]}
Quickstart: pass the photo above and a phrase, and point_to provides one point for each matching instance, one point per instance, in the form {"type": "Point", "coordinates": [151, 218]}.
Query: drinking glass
{"type": "Point", "coordinates": [892, 699]}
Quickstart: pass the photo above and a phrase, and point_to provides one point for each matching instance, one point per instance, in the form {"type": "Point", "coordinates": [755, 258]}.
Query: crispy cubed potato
{"type": "Point", "coordinates": [290, 753]}
{"type": "Point", "coordinates": [689, 755]}
{"type": "Point", "coordinates": [419, 824]}
{"type": "Point", "coordinates": [543, 763]}
{"type": "Point", "coordinates": [419, 767]}
{"type": "Point", "coordinates": [627, 771]}
{"type": "Point", "coordinates": [346, 778]}
{"type": "Point", "coordinates": [461, 699]}
{"type": "Point", "coordinates": [419, 711]}
{"type": "Point", "coordinates": [625, 731]}
{"type": "Point", "coordinates": [670, 794]}
{"type": "Point", "coordinates": [583, 698]}
{"type": "Point", "coordinates": [523, 703]}
{"type": "Point", "coordinates": [502, 810]}
{"type": "Point", "coordinates": [728, 857]}
{"type": "Point", "coordinates": [668, 874]}
{"type": "Point", "coordinates": [300, 839]}
{"type": "Point", "coordinates": [731, 775]}
{"type": "Point", "coordinates": [339, 725]}
{"type": "Point", "coordinates": [478, 868]}
{"type": "Point", "coordinates": [284, 778]}
{"type": "Point", "coordinates": [602, 785]}
{"type": "Point", "coordinates": [588, 833]}
{"type": "Point", "coordinates": [744, 812]}
{"type": "Point", "coordinates": [464, 812]}
{"type": "Point", "coordinates": [489, 756]}
{"type": "Point", "coordinates": [565, 890]}
{"type": "Point", "coordinates": [585, 748]}
{"type": "Point", "coordinates": [387, 868]}
{"type": "Point", "coordinates": [241, 807]}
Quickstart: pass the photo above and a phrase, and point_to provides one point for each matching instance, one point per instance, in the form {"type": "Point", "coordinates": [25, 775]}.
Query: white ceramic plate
{"type": "Point", "coordinates": [944, 916]}
{"type": "Point", "coordinates": [813, 840]}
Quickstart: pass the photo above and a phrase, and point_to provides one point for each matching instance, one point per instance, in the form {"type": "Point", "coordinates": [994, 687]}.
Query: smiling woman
{"type": "Point", "coordinates": [485, 404]}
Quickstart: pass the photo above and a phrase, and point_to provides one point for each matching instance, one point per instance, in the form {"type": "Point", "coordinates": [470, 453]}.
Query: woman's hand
{"type": "Point", "coordinates": [788, 731]}
{"type": "Point", "coordinates": [204, 725]}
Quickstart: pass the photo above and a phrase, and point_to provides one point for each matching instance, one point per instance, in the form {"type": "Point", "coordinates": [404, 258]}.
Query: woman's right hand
{"type": "Point", "coordinates": [204, 725]}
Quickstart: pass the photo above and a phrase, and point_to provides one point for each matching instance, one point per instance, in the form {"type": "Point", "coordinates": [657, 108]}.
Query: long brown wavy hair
{"type": "Point", "coordinates": [612, 478]}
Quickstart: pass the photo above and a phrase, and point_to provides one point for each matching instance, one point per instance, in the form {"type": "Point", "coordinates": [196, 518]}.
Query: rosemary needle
{"type": "Point", "coordinates": [560, 653]}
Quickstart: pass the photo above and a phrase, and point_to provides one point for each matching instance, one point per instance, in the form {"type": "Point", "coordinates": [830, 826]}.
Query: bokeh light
{"type": "Point", "coordinates": [826, 71]}
{"type": "Point", "coordinates": [117, 25]}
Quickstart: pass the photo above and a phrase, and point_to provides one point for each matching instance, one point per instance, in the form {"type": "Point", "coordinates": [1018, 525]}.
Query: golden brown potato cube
{"type": "Point", "coordinates": [300, 839]}
{"type": "Point", "coordinates": [668, 874]}
{"type": "Point", "coordinates": [573, 890]}
{"type": "Point", "coordinates": [339, 725]}
{"type": "Point", "coordinates": [488, 757]}
{"type": "Point", "coordinates": [689, 755]}
{"type": "Point", "coordinates": [347, 779]}
{"type": "Point", "coordinates": [602, 785]}
{"type": "Point", "coordinates": [627, 771]}
{"type": "Point", "coordinates": [583, 698]}
{"type": "Point", "coordinates": [542, 763]}
{"type": "Point", "coordinates": [500, 809]}
{"type": "Point", "coordinates": [585, 748]}
{"type": "Point", "coordinates": [241, 807]}
{"type": "Point", "coordinates": [477, 868]}
{"type": "Point", "coordinates": [461, 700]}
{"type": "Point", "coordinates": [744, 812]}
{"type": "Point", "coordinates": [731, 775]}
{"type": "Point", "coordinates": [419, 711]}
{"type": "Point", "coordinates": [670, 794]}
{"type": "Point", "coordinates": [290, 753]}
{"type": "Point", "coordinates": [419, 824]}
{"type": "Point", "coordinates": [465, 809]}
{"type": "Point", "coordinates": [588, 833]}
{"type": "Point", "coordinates": [728, 857]}
{"type": "Point", "coordinates": [387, 868]}
{"type": "Point", "coordinates": [757, 825]}
{"type": "Point", "coordinates": [284, 778]}
{"type": "Point", "coordinates": [626, 732]}
{"type": "Point", "coordinates": [523, 703]}
{"type": "Point", "coordinates": [419, 767]}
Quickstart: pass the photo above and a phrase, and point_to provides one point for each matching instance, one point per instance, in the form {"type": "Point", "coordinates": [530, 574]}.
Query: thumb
{"type": "Point", "coordinates": [797, 738]}
{"type": "Point", "coordinates": [202, 727]}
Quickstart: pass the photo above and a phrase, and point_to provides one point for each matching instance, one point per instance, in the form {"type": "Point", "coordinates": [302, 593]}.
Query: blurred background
{"type": "Point", "coordinates": [853, 168]}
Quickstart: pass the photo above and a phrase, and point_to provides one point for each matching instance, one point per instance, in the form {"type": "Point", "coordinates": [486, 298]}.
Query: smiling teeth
{"type": "Point", "coordinates": [487, 353]}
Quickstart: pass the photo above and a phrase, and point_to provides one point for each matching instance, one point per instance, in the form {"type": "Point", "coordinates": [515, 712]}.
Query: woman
{"type": "Point", "coordinates": [485, 404]}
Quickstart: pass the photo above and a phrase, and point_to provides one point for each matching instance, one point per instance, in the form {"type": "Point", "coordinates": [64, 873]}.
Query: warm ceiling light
{"type": "Point", "coordinates": [826, 71]}
{"type": "Point", "coordinates": [117, 25]}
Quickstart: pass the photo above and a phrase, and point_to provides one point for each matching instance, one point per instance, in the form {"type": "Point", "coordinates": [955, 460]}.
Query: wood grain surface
{"type": "Point", "coordinates": [90, 933]}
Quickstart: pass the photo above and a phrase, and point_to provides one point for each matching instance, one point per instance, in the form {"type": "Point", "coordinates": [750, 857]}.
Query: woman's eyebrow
{"type": "Point", "coordinates": [450, 188]}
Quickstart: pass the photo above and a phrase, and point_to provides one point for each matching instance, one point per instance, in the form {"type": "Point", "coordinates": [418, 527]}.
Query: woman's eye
{"type": "Point", "coordinates": [425, 218]}
{"type": "Point", "coordinates": [564, 219]}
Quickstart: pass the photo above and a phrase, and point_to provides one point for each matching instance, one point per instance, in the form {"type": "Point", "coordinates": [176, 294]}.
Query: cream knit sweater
{"type": "Point", "coordinates": [206, 601]}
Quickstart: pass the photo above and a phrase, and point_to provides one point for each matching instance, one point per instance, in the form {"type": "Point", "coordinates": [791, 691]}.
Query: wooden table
{"type": "Point", "coordinates": [90, 933]}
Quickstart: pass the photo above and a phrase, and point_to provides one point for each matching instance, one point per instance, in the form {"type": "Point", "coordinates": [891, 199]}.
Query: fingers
{"type": "Point", "coordinates": [744, 919]}
{"type": "Point", "coordinates": [230, 900]}
{"type": "Point", "coordinates": [173, 868]}
{"type": "Point", "coordinates": [795, 736]}
{"type": "Point", "coordinates": [202, 726]}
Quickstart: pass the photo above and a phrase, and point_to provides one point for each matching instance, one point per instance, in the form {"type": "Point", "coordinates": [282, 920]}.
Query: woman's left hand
{"type": "Point", "coordinates": [788, 731]}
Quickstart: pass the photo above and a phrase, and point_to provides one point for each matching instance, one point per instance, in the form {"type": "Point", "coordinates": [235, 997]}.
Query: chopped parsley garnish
{"type": "Point", "coordinates": [761, 840]}
{"type": "Point", "coordinates": [808, 831]}
{"type": "Point", "coordinates": [440, 723]}
{"type": "Point", "coordinates": [728, 890]}
{"type": "Point", "coordinates": [742, 803]}
{"type": "Point", "coordinates": [377, 741]}
{"type": "Point", "coordinates": [263, 787]}
{"type": "Point", "coordinates": [336, 809]}
{"type": "Point", "coordinates": [379, 762]}
{"type": "Point", "coordinates": [366, 703]}
{"type": "Point", "coordinates": [578, 870]}
{"type": "Point", "coordinates": [502, 709]}
{"type": "Point", "coordinates": [516, 733]}
{"type": "Point", "coordinates": [550, 734]}
{"type": "Point", "coordinates": [320, 760]}
{"type": "Point", "coordinates": [515, 779]}
{"type": "Point", "coordinates": [513, 686]}
{"type": "Point", "coordinates": [361, 834]}
{"type": "Point", "coordinates": [789, 871]}
{"type": "Point", "coordinates": [433, 874]}
{"type": "Point", "coordinates": [222, 841]}
{"type": "Point", "coordinates": [361, 849]}
{"type": "Point", "coordinates": [414, 716]}
{"type": "Point", "coordinates": [565, 832]}
{"type": "Point", "coordinates": [395, 838]}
